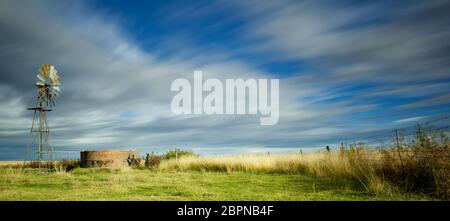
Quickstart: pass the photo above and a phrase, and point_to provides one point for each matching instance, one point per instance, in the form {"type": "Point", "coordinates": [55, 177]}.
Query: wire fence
{"type": "Point", "coordinates": [436, 129]}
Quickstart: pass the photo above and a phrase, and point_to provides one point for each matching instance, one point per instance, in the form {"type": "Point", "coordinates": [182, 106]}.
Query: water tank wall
{"type": "Point", "coordinates": [106, 158]}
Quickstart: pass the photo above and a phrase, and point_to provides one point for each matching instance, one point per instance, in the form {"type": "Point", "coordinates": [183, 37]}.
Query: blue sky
{"type": "Point", "coordinates": [346, 69]}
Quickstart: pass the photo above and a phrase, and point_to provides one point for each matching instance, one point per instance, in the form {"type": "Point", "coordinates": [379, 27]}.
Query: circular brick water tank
{"type": "Point", "coordinates": [107, 158]}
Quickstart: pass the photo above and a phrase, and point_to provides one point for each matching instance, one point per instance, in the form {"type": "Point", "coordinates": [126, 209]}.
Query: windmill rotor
{"type": "Point", "coordinates": [48, 82]}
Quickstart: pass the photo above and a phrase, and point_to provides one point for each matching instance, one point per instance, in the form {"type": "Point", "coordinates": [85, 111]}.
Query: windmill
{"type": "Point", "coordinates": [47, 91]}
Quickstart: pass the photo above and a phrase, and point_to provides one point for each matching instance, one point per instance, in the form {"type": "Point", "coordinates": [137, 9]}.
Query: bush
{"type": "Point", "coordinates": [152, 160]}
{"type": "Point", "coordinates": [422, 167]}
{"type": "Point", "coordinates": [69, 164]}
{"type": "Point", "coordinates": [177, 153]}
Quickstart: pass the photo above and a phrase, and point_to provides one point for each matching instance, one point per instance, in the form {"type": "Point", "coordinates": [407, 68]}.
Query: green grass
{"type": "Point", "coordinates": [136, 184]}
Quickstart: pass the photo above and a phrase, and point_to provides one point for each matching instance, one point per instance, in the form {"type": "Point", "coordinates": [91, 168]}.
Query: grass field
{"type": "Point", "coordinates": [416, 171]}
{"type": "Point", "coordinates": [143, 184]}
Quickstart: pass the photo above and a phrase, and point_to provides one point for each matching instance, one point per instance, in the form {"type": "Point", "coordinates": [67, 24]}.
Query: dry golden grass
{"type": "Point", "coordinates": [7, 163]}
{"type": "Point", "coordinates": [336, 164]}
{"type": "Point", "coordinates": [318, 163]}
{"type": "Point", "coordinates": [378, 171]}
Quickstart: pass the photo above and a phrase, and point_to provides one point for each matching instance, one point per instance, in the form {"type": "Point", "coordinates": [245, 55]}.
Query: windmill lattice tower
{"type": "Point", "coordinates": [47, 91]}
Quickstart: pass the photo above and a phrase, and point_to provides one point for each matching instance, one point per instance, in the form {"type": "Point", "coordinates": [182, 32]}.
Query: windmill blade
{"type": "Point", "coordinates": [41, 78]}
{"type": "Point", "coordinates": [52, 72]}
{"type": "Point", "coordinates": [41, 71]}
{"type": "Point", "coordinates": [54, 76]}
{"type": "Point", "coordinates": [56, 83]}
{"type": "Point", "coordinates": [45, 70]}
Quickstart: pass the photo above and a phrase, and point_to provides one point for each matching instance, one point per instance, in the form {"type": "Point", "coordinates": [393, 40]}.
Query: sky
{"type": "Point", "coordinates": [347, 69]}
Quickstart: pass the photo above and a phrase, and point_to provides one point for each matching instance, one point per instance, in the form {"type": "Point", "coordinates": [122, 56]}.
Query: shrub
{"type": "Point", "coordinates": [69, 164]}
{"type": "Point", "coordinates": [152, 160]}
{"type": "Point", "coordinates": [423, 167]}
{"type": "Point", "coordinates": [177, 153]}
